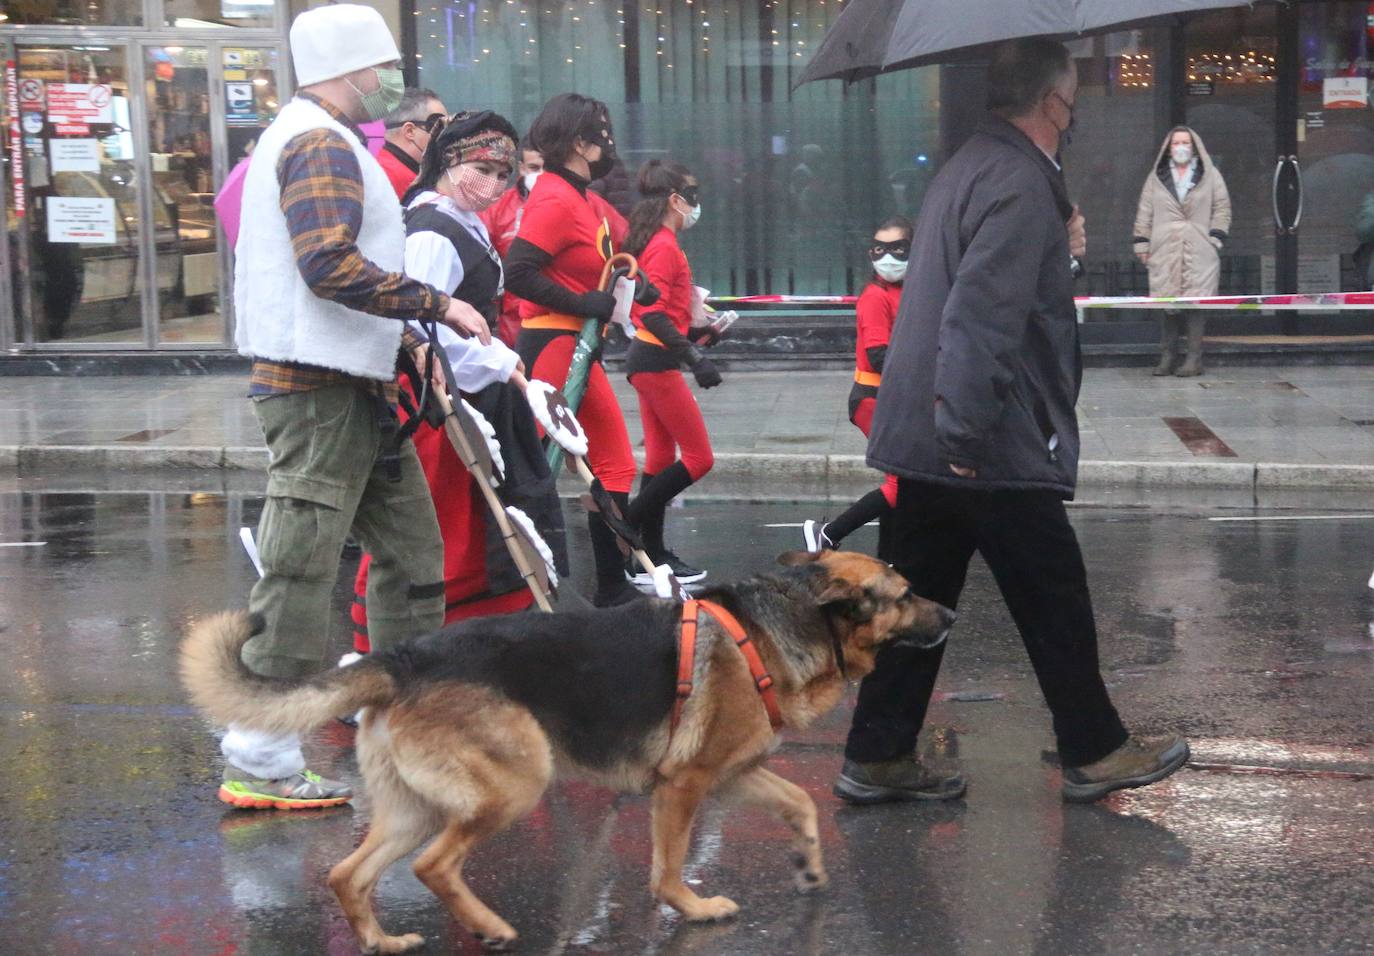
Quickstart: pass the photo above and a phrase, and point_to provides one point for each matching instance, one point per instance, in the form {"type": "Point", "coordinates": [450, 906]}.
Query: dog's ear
{"type": "Point", "coordinates": [846, 599]}
{"type": "Point", "coordinates": [792, 559]}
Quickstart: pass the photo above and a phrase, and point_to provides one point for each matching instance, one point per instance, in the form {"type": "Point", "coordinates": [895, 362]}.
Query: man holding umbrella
{"type": "Point", "coordinates": [976, 418]}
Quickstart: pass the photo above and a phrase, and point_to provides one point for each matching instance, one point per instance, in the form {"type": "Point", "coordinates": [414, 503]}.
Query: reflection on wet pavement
{"type": "Point", "coordinates": [1252, 638]}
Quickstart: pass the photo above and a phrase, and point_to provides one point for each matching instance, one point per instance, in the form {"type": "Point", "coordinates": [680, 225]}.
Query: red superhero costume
{"type": "Point", "coordinates": [502, 220]}
{"type": "Point", "coordinates": [669, 412]}
{"type": "Point", "coordinates": [876, 311]}
{"type": "Point", "coordinates": [562, 222]}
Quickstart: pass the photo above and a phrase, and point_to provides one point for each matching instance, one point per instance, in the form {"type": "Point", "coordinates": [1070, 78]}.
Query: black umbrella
{"type": "Point", "coordinates": [879, 36]}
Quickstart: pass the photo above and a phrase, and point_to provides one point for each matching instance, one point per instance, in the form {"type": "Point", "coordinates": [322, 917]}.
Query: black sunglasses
{"type": "Point", "coordinates": [428, 124]}
{"type": "Point", "coordinates": [899, 250]}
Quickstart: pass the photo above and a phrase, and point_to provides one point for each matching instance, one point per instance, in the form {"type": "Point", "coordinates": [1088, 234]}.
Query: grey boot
{"type": "Point", "coordinates": [1171, 326]}
{"type": "Point", "coordinates": [1192, 365]}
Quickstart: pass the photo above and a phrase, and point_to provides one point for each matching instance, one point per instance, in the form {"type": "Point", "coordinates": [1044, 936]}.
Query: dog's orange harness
{"type": "Point", "coordinates": [687, 658]}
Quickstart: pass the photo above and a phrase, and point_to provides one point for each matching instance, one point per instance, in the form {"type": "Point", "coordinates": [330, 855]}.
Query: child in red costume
{"type": "Point", "coordinates": [672, 421]}
{"type": "Point", "coordinates": [875, 312]}
{"type": "Point", "coordinates": [555, 264]}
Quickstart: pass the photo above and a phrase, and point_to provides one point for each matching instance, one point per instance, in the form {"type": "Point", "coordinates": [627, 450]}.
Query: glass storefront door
{"type": "Point", "coordinates": [1335, 146]}
{"type": "Point", "coordinates": [74, 204]}
{"type": "Point", "coordinates": [191, 265]}
{"type": "Point", "coordinates": [113, 162]}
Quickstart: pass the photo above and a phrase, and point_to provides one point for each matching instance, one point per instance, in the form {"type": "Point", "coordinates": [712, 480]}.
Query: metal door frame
{"type": "Point", "coordinates": [17, 329]}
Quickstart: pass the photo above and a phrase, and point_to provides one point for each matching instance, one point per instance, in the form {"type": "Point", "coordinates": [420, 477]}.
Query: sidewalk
{"type": "Point", "coordinates": [777, 434]}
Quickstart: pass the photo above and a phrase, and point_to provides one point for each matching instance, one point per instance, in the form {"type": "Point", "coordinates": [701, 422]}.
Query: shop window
{"type": "Point", "coordinates": [793, 183]}
{"type": "Point", "coordinates": [196, 14]}
{"type": "Point", "coordinates": [1121, 118]}
{"type": "Point", "coordinates": [87, 13]}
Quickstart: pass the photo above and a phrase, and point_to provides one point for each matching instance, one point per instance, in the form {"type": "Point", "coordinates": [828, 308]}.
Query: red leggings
{"type": "Point", "coordinates": [608, 443]}
{"type": "Point", "coordinates": [672, 420]}
{"type": "Point", "coordinates": [463, 517]}
{"type": "Point", "coordinates": [863, 418]}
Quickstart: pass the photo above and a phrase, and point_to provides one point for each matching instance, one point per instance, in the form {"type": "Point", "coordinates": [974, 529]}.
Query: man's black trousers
{"type": "Point", "coordinates": [1027, 542]}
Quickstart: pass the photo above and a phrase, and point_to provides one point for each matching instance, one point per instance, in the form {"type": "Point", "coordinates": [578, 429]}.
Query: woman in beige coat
{"type": "Point", "coordinates": [1180, 227]}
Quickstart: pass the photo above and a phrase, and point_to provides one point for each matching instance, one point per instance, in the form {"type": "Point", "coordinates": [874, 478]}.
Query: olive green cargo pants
{"type": "Point", "coordinates": [326, 476]}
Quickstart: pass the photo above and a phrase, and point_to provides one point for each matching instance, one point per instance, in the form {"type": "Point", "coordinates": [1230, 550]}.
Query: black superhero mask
{"type": "Point", "coordinates": [600, 135]}
{"type": "Point", "coordinates": [899, 250]}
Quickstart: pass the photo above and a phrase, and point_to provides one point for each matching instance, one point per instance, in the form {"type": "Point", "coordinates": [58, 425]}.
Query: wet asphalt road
{"type": "Point", "coordinates": [1252, 636]}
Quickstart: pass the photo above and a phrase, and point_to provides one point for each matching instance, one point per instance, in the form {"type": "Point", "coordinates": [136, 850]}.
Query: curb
{"type": "Point", "coordinates": [740, 473]}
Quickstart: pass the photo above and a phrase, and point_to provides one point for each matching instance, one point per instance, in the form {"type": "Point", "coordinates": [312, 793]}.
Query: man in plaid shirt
{"type": "Point", "coordinates": [321, 305]}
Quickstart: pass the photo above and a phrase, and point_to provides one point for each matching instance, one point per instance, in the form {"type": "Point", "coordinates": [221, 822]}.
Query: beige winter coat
{"type": "Point", "coordinates": [1183, 238]}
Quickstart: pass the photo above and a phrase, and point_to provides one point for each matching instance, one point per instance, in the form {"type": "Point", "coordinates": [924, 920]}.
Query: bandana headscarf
{"type": "Point", "coordinates": [474, 137]}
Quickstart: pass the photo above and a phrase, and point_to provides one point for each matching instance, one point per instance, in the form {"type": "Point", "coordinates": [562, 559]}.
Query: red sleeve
{"type": "Point", "coordinates": [665, 265]}
{"type": "Point", "coordinates": [545, 222]}
{"type": "Point", "coordinates": [875, 317]}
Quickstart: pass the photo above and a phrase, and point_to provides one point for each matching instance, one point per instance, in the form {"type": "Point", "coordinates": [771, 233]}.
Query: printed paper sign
{"type": "Point", "coordinates": [240, 106]}
{"type": "Point", "coordinates": [1345, 92]}
{"type": "Point", "coordinates": [16, 137]}
{"type": "Point", "coordinates": [75, 156]}
{"type": "Point", "coordinates": [33, 123]}
{"type": "Point", "coordinates": [73, 219]}
{"type": "Point", "coordinates": [74, 104]}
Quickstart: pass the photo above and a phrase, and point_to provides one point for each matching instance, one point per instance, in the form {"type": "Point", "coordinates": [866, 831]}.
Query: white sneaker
{"type": "Point", "coordinates": [816, 538]}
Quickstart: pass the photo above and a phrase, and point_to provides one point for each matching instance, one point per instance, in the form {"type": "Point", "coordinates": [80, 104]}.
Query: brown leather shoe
{"type": "Point", "coordinates": [905, 778]}
{"type": "Point", "coordinates": [1136, 763]}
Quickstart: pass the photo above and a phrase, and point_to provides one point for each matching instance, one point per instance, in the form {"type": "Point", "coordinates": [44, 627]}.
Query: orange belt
{"type": "Point", "coordinates": [554, 320]}
{"type": "Point", "coordinates": [644, 335]}
{"type": "Point", "coordinates": [873, 379]}
{"type": "Point", "coordinates": [687, 655]}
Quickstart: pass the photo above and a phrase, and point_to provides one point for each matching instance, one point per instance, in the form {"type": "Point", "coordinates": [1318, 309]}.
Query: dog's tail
{"type": "Point", "coordinates": [228, 692]}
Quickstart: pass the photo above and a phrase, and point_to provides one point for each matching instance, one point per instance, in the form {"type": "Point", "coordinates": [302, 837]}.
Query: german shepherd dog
{"type": "Point", "coordinates": [464, 727]}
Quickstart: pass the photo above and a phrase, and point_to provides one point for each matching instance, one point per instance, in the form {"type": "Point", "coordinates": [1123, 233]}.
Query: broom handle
{"type": "Point", "coordinates": [579, 368]}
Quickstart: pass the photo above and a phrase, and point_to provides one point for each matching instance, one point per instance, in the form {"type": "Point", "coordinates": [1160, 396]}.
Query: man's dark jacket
{"type": "Point", "coordinates": [984, 366]}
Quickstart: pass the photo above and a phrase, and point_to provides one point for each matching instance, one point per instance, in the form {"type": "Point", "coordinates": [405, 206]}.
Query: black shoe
{"type": "Point", "coordinates": [610, 595]}
{"type": "Point", "coordinates": [891, 780]}
{"type": "Point", "coordinates": [684, 572]}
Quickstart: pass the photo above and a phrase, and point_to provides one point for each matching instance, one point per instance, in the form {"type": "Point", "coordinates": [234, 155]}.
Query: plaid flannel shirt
{"type": "Point", "coordinates": [322, 199]}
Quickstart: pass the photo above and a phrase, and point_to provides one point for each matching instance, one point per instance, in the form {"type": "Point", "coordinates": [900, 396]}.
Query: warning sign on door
{"type": "Point", "coordinates": [78, 105]}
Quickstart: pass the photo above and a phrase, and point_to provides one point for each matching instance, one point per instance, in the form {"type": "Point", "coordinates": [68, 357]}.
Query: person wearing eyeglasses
{"type": "Point", "coordinates": [875, 312]}
{"type": "Point", "coordinates": [408, 131]}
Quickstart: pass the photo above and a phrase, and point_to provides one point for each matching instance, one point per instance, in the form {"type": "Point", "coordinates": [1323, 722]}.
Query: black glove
{"type": "Point", "coordinates": [704, 337]}
{"type": "Point", "coordinates": [706, 374]}
{"type": "Point", "coordinates": [646, 293]}
{"type": "Point", "coordinates": [596, 304]}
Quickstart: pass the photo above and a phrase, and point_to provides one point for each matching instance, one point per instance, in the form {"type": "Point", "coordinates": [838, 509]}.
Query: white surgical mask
{"type": "Point", "coordinates": [690, 219]}
{"type": "Point", "coordinates": [890, 268]}
{"type": "Point", "coordinates": [529, 179]}
{"type": "Point", "coordinates": [1182, 154]}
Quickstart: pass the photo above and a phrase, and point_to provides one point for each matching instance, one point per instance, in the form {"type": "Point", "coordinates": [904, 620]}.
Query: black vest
{"type": "Point", "coordinates": [482, 276]}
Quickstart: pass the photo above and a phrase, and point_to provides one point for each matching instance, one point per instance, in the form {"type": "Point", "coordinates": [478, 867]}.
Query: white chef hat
{"type": "Point", "coordinates": [335, 40]}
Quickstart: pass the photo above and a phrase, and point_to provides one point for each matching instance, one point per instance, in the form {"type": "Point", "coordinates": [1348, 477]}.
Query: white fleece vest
{"type": "Point", "coordinates": [278, 317]}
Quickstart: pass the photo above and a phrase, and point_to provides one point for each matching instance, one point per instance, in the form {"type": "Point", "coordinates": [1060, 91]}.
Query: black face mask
{"type": "Point", "coordinates": [601, 136]}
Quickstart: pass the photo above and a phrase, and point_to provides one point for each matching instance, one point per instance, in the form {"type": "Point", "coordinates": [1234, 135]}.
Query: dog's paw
{"type": "Point", "coordinates": [497, 943]}
{"type": "Point", "coordinates": [808, 877]}
{"type": "Point", "coordinates": [396, 944]}
{"type": "Point", "coordinates": [712, 910]}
